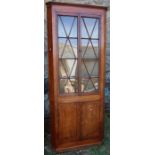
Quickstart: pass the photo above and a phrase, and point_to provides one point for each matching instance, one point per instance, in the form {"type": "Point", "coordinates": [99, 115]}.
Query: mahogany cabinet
{"type": "Point", "coordinates": [76, 57]}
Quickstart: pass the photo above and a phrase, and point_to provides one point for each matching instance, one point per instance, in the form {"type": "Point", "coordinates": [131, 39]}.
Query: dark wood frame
{"type": "Point", "coordinates": [55, 99]}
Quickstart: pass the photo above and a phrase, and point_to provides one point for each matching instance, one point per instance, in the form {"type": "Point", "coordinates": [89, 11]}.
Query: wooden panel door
{"type": "Point", "coordinates": [76, 42]}
{"type": "Point", "coordinates": [90, 120]}
{"type": "Point", "coordinates": [67, 122]}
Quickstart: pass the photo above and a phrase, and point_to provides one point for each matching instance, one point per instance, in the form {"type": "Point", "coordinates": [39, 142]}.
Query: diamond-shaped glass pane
{"type": "Point", "coordinates": [67, 48]}
{"type": "Point", "coordinates": [68, 67]}
{"type": "Point", "coordinates": [89, 27]}
{"type": "Point", "coordinates": [89, 85]}
{"type": "Point", "coordinates": [68, 86]}
{"type": "Point", "coordinates": [89, 49]}
{"type": "Point", "coordinates": [67, 26]}
{"type": "Point", "coordinates": [89, 67]}
{"type": "Point", "coordinates": [84, 72]}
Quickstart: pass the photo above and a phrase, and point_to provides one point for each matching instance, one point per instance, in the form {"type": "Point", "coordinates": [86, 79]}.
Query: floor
{"type": "Point", "coordinates": [103, 149]}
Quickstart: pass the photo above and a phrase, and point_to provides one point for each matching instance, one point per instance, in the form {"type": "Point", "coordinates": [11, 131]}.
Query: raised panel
{"type": "Point", "coordinates": [90, 120]}
{"type": "Point", "coordinates": [67, 122]}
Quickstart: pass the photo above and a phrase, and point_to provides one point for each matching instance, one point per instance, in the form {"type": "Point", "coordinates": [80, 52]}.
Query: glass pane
{"type": "Point", "coordinates": [68, 86]}
{"type": "Point", "coordinates": [89, 48]}
{"type": "Point", "coordinates": [67, 26]}
{"type": "Point", "coordinates": [89, 27]}
{"type": "Point", "coordinates": [62, 43]}
{"type": "Point", "coordinates": [73, 32]}
{"type": "Point", "coordinates": [67, 42]}
{"type": "Point", "coordinates": [67, 48]}
{"type": "Point", "coordinates": [89, 85]}
{"type": "Point", "coordinates": [95, 82]}
{"type": "Point", "coordinates": [84, 33]}
{"type": "Point", "coordinates": [83, 71]}
{"type": "Point", "coordinates": [89, 67]}
{"type": "Point", "coordinates": [95, 33]}
{"type": "Point", "coordinates": [61, 31]}
{"type": "Point", "coordinates": [68, 67]}
{"type": "Point", "coordinates": [95, 47]}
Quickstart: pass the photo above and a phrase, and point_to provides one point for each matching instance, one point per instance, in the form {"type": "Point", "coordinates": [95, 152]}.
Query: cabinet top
{"type": "Point", "coordinates": [77, 5]}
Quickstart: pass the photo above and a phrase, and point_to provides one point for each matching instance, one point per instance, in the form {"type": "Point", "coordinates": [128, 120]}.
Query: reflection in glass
{"type": "Point", "coordinates": [67, 48]}
{"type": "Point", "coordinates": [67, 26]}
{"type": "Point", "coordinates": [95, 81]}
{"type": "Point", "coordinates": [68, 86]}
{"type": "Point", "coordinates": [89, 27]}
{"type": "Point", "coordinates": [67, 44]}
{"type": "Point", "coordinates": [68, 68]}
{"type": "Point", "coordinates": [89, 85]}
{"type": "Point", "coordinates": [95, 47]}
{"type": "Point", "coordinates": [89, 67]}
{"type": "Point", "coordinates": [89, 48]}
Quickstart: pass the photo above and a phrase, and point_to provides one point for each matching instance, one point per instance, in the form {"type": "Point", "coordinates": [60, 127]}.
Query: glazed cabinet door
{"type": "Point", "coordinates": [78, 66]}
{"type": "Point", "coordinates": [67, 37]}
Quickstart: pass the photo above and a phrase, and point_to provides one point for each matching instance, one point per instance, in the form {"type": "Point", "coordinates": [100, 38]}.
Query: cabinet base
{"type": "Point", "coordinates": [73, 146]}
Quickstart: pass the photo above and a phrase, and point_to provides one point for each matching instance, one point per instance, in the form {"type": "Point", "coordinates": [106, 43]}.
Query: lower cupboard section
{"type": "Point", "coordinates": [79, 123]}
{"type": "Point", "coordinates": [77, 145]}
{"type": "Point", "coordinates": [67, 122]}
{"type": "Point", "coordinates": [90, 120]}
